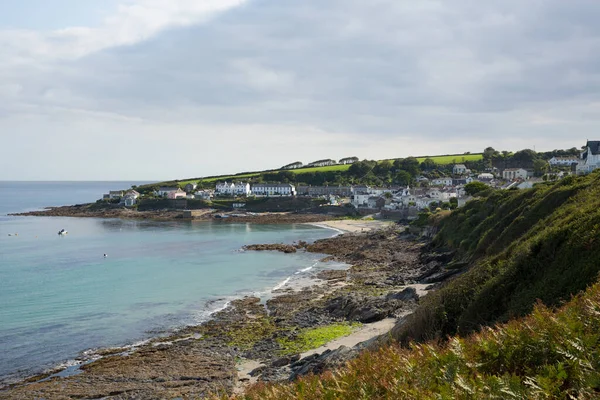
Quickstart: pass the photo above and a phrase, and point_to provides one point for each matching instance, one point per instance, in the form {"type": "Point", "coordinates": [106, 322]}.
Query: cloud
{"type": "Point", "coordinates": [409, 76]}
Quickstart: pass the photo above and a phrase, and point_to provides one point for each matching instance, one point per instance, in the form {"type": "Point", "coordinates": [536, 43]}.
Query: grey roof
{"type": "Point", "coordinates": [258, 185]}
{"type": "Point", "coordinates": [594, 146]}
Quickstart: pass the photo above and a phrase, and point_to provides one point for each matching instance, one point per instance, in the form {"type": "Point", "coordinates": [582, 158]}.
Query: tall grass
{"type": "Point", "coordinates": [547, 355]}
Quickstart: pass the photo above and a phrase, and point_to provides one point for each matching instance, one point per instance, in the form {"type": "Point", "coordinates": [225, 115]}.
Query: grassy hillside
{"type": "Point", "coordinates": [519, 246]}
{"type": "Point", "coordinates": [522, 252]}
{"type": "Point", "coordinates": [548, 354]}
{"type": "Point", "coordinates": [442, 160]}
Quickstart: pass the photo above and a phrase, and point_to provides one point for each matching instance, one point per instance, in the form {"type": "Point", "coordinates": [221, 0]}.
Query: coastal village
{"type": "Point", "coordinates": [445, 188]}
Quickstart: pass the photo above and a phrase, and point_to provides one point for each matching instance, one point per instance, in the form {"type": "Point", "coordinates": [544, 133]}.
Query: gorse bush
{"type": "Point", "coordinates": [549, 354]}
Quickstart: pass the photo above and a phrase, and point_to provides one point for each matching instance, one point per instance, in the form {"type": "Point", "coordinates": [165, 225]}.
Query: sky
{"type": "Point", "coordinates": [170, 89]}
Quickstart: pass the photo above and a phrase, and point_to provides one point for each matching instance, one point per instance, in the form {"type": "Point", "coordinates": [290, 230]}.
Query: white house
{"type": "Point", "coordinates": [460, 169]}
{"type": "Point", "coordinates": [241, 189]}
{"type": "Point", "coordinates": [563, 161]}
{"type": "Point", "coordinates": [485, 177]}
{"type": "Point", "coordinates": [129, 201]}
{"type": "Point", "coordinates": [590, 158]}
{"type": "Point", "coordinates": [405, 197]}
{"type": "Point", "coordinates": [224, 189]}
{"type": "Point", "coordinates": [203, 194]}
{"type": "Point", "coordinates": [164, 191]}
{"type": "Point", "coordinates": [442, 181]}
{"type": "Point", "coordinates": [360, 199]}
{"type": "Point", "coordinates": [115, 194]}
{"type": "Point", "coordinates": [441, 194]}
{"type": "Point", "coordinates": [273, 189]}
{"type": "Point", "coordinates": [130, 198]}
{"type": "Point", "coordinates": [510, 174]}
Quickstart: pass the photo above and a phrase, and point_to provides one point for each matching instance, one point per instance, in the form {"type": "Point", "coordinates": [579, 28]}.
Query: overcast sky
{"type": "Point", "coordinates": [164, 89]}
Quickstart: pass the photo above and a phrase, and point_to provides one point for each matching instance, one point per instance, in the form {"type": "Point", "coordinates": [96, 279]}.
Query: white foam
{"type": "Point", "coordinates": [282, 284]}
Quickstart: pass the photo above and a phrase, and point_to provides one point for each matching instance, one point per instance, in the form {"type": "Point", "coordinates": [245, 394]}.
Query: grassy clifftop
{"type": "Point", "coordinates": [519, 246]}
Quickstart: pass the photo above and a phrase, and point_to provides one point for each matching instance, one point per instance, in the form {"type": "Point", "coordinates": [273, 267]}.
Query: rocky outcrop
{"type": "Point", "coordinates": [367, 309]}
{"type": "Point", "coordinates": [284, 248]}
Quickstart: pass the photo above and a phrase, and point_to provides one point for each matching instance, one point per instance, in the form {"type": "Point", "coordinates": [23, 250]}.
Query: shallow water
{"type": "Point", "coordinates": [60, 296]}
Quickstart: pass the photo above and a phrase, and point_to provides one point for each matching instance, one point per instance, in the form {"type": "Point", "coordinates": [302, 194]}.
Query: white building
{"type": "Point", "coordinates": [460, 169]}
{"type": "Point", "coordinates": [115, 194]}
{"type": "Point", "coordinates": [590, 158]}
{"type": "Point", "coordinates": [164, 191]}
{"type": "Point", "coordinates": [510, 174]}
{"type": "Point", "coordinates": [360, 199]}
{"type": "Point", "coordinates": [441, 194]}
{"type": "Point", "coordinates": [224, 189]}
{"type": "Point", "coordinates": [273, 189]}
{"type": "Point", "coordinates": [441, 181]}
{"type": "Point", "coordinates": [241, 189]}
{"type": "Point", "coordinates": [405, 197]}
{"type": "Point", "coordinates": [563, 161]}
{"type": "Point", "coordinates": [485, 177]}
{"type": "Point", "coordinates": [204, 194]}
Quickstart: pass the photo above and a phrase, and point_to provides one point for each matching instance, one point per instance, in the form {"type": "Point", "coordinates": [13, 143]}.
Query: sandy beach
{"type": "Point", "coordinates": [354, 225]}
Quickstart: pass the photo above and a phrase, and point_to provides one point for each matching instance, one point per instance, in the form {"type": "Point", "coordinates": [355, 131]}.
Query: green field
{"type": "Point", "coordinates": [442, 160]}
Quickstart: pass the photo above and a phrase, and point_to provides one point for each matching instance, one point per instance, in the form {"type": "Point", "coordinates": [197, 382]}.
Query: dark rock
{"type": "Point", "coordinates": [367, 309]}
{"type": "Point", "coordinates": [441, 276]}
{"type": "Point", "coordinates": [281, 362]}
{"type": "Point", "coordinates": [284, 248]}
{"type": "Point", "coordinates": [318, 363]}
{"type": "Point", "coordinates": [407, 294]}
{"type": "Point", "coordinates": [257, 371]}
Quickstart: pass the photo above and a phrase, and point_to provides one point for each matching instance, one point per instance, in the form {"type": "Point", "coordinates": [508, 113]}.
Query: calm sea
{"type": "Point", "coordinates": [59, 296]}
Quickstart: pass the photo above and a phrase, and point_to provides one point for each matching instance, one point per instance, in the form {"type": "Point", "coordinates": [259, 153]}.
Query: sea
{"type": "Point", "coordinates": [61, 298]}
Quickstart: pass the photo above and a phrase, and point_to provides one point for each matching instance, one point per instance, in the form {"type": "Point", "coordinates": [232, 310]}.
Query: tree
{"type": "Point", "coordinates": [525, 157]}
{"type": "Point", "coordinates": [410, 165]}
{"type": "Point", "coordinates": [403, 178]}
{"type": "Point", "coordinates": [453, 203]}
{"type": "Point", "coordinates": [360, 169]}
{"type": "Point", "coordinates": [540, 167]}
{"type": "Point", "coordinates": [475, 187]}
{"type": "Point", "coordinates": [387, 195]}
{"type": "Point", "coordinates": [428, 164]}
{"type": "Point", "coordinates": [382, 169]}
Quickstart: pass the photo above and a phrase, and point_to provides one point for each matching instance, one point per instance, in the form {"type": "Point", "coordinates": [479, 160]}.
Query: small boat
{"type": "Point", "coordinates": [62, 232]}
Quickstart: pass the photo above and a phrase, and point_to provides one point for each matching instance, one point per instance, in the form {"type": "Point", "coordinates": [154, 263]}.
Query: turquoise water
{"type": "Point", "coordinates": [60, 296]}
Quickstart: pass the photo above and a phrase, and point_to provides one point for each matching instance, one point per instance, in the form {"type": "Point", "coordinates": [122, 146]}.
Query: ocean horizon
{"type": "Point", "coordinates": [62, 298]}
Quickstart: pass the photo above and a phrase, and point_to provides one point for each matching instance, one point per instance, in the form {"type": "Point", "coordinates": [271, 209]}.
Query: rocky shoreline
{"type": "Point", "coordinates": [90, 211]}
{"type": "Point", "coordinates": [210, 358]}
